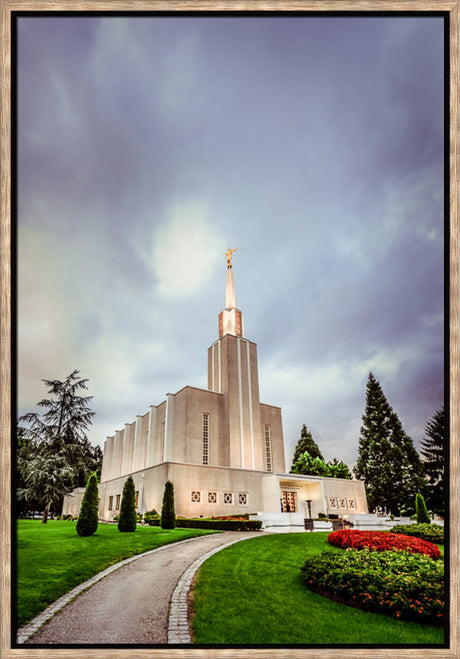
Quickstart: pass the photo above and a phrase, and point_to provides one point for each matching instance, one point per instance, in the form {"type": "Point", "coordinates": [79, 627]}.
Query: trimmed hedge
{"type": "Point", "coordinates": [396, 583]}
{"type": "Point", "coordinates": [220, 524]}
{"type": "Point", "coordinates": [382, 541]}
{"type": "Point", "coordinates": [88, 518]}
{"type": "Point", "coordinates": [168, 515]}
{"type": "Point", "coordinates": [127, 519]}
{"type": "Point", "coordinates": [430, 532]}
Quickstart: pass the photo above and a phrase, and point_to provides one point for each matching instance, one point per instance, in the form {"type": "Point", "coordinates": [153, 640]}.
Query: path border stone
{"type": "Point", "coordinates": [178, 629]}
{"type": "Point", "coordinates": [25, 632]}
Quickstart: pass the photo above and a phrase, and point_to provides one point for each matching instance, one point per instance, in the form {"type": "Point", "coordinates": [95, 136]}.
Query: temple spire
{"type": "Point", "coordinates": [231, 318]}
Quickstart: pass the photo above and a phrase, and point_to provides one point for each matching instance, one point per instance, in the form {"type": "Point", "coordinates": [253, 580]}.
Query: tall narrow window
{"type": "Point", "coordinates": [205, 439]}
{"type": "Point", "coordinates": [162, 441]}
{"type": "Point", "coordinates": [110, 503]}
{"type": "Point", "coordinates": [268, 448]}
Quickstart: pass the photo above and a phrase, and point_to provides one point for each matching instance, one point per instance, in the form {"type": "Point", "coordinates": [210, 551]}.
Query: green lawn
{"type": "Point", "coordinates": [251, 593]}
{"type": "Point", "coordinates": [52, 559]}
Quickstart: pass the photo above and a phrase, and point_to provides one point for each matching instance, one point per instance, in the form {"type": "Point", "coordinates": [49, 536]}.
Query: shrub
{"type": "Point", "coordinates": [127, 517]}
{"type": "Point", "coordinates": [396, 583]}
{"type": "Point", "coordinates": [168, 516]}
{"type": "Point", "coordinates": [382, 541]}
{"type": "Point", "coordinates": [421, 511]}
{"type": "Point", "coordinates": [220, 524]}
{"type": "Point", "coordinates": [150, 516]}
{"type": "Point", "coordinates": [430, 532]}
{"type": "Point", "coordinates": [88, 518]}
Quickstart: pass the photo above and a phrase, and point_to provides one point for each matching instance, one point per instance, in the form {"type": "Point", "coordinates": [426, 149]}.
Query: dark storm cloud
{"type": "Point", "coordinates": [315, 144]}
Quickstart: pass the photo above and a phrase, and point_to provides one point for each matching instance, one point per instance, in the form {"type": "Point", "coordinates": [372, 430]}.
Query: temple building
{"type": "Point", "coordinates": [222, 448]}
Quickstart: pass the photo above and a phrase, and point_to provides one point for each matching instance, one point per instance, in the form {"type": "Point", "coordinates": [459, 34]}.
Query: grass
{"type": "Point", "coordinates": [52, 559]}
{"type": "Point", "coordinates": [252, 593]}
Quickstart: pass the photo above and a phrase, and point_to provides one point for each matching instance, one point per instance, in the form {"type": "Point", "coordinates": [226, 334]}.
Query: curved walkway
{"type": "Point", "coordinates": [142, 600]}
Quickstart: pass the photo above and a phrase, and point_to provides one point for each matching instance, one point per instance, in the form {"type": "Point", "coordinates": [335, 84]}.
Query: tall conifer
{"type": "Point", "coordinates": [387, 460]}
{"type": "Point", "coordinates": [433, 447]}
{"type": "Point", "coordinates": [306, 443]}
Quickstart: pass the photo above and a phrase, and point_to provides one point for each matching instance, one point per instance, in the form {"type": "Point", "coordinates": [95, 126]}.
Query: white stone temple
{"type": "Point", "coordinates": [221, 447]}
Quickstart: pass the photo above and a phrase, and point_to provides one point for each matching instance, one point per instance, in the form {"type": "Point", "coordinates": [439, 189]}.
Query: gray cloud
{"type": "Point", "coordinates": [315, 144]}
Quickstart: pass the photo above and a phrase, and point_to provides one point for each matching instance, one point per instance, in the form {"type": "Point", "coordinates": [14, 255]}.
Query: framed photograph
{"type": "Point", "coordinates": [142, 142]}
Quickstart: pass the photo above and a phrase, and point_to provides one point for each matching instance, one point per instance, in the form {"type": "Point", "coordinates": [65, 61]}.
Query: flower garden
{"type": "Point", "coordinates": [384, 572]}
{"type": "Point", "coordinates": [382, 541]}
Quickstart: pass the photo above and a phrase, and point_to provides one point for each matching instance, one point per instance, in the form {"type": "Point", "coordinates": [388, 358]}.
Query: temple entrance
{"type": "Point", "coordinates": [289, 502]}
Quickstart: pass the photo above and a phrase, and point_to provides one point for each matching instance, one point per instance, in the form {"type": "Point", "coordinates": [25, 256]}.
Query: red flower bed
{"type": "Point", "coordinates": [382, 541]}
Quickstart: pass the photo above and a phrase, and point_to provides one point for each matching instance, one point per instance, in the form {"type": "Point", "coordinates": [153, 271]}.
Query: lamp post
{"type": "Point", "coordinates": [308, 508]}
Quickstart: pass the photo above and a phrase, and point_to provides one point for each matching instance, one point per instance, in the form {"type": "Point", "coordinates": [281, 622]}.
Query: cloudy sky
{"type": "Point", "coordinates": [149, 145]}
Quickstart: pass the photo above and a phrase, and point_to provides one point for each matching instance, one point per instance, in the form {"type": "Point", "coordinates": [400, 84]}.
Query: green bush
{"type": "Point", "coordinates": [220, 524]}
{"type": "Point", "coordinates": [421, 511]}
{"type": "Point", "coordinates": [399, 584]}
{"type": "Point", "coordinates": [150, 517]}
{"type": "Point", "coordinates": [127, 517]}
{"type": "Point", "coordinates": [168, 515]}
{"type": "Point", "coordinates": [88, 517]}
{"type": "Point", "coordinates": [430, 532]}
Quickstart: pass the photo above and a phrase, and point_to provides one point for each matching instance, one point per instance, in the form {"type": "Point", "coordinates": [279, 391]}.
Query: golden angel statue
{"type": "Point", "coordinates": [229, 254]}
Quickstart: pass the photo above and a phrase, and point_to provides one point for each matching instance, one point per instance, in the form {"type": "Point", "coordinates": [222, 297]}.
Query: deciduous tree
{"type": "Point", "coordinates": [46, 478]}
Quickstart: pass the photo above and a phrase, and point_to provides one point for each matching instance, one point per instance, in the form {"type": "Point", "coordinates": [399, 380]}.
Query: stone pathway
{"type": "Point", "coordinates": [142, 600]}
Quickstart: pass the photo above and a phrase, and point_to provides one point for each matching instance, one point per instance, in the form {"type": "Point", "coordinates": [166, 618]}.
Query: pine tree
{"type": "Point", "coordinates": [420, 510]}
{"type": "Point", "coordinates": [433, 447]}
{"type": "Point", "coordinates": [168, 515]}
{"type": "Point", "coordinates": [387, 460]}
{"type": "Point", "coordinates": [88, 518]}
{"type": "Point", "coordinates": [127, 519]}
{"type": "Point", "coordinates": [306, 443]}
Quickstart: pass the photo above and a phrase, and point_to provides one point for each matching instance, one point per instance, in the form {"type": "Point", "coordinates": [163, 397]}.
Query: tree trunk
{"type": "Point", "coordinates": [45, 513]}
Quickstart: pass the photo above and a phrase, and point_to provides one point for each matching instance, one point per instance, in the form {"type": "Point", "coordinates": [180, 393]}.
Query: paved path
{"type": "Point", "coordinates": [131, 604]}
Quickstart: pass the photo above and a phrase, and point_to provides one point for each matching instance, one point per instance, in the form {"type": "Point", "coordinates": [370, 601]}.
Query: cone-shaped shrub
{"type": "Point", "coordinates": [127, 519]}
{"type": "Point", "coordinates": [421, 511]}
{"type": "Point", "coordinates": [168, 515]}
{"type": "Point", "coordinates": [88, 517]}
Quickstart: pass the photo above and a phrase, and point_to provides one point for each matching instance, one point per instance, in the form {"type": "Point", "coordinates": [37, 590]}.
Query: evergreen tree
{"type": "Point", "coordinates": [88, 517]}
{"type": "Point", "coordinates": [433, 448]}
{"type": "Point", "coordinates": [128, 519]}
{"type": "Point", "coordinates": [387, 460]}
{"type": "Point", "coordinates": [60, 431]}
{"type": "Point", "coordinates": [420, 510]}
{"type": "Point", "coordinates": [168, 515]}
{"type": "Point", "coordinates": [306, 443]}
